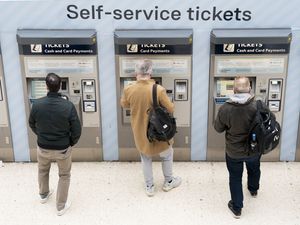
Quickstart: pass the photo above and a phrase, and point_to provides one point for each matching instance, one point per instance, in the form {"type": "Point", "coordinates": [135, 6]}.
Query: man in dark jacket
{"type": "Point", "coordinates": [235, 117]}
{"type": "Point", "coordinates": [55, 122]}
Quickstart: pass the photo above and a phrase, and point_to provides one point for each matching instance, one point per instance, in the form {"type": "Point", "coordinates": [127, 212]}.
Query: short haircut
{"type": "Point", "coordinates": [53, 82]}
{"type": "Point", "coordinates": [241, 84]}
{"type": "Point", "coordinates": [144, 67]}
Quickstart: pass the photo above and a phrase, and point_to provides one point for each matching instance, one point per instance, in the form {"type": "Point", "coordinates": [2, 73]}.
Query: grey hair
{"type": "Point", "coordinates": [242, 84]}
{"type": "Point", "coordinates": [144, 67]}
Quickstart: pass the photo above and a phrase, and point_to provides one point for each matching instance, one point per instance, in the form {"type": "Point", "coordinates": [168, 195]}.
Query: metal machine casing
{"type": "Point", "coordinates": [6, 151]}
{"type": "Point", "coordinates": [171, 54]}
{"type": "Point", "coordinates": [298, 143]}
{"type": "Point", "coordinates": [72, 54]}
{"type": "Point", "coordinates": [261, 55]}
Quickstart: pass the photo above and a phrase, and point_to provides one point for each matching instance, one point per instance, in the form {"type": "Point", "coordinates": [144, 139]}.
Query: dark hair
{"type": "Point", "coordinates": [53, 82]}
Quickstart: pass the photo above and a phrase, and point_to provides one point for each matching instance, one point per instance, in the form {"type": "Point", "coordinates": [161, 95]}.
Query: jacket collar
{"type": "Point", "coordinates": [53, 94]}
{"type": "Point", "coordinates": [240, 99]}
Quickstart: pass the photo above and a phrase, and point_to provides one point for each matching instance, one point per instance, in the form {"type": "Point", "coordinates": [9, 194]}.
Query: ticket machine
{"type": "Point", "coordinates": [261, 55]}
{"type": "Point", "coordinates": [6, 151]}
{"type": "Point", "coordinates": [171, 54]}
{"type": "Point", "coordinates": [298, 143]}
{"type": "Point", "coordinates": [72, 54]}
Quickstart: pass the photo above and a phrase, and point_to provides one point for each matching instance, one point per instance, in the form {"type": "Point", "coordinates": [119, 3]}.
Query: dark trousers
{"type": "Point", "coordinates": [235, 168]}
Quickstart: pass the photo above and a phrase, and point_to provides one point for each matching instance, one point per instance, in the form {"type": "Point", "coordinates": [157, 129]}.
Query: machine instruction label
{"type": "Point", "coordinates": [43, 66]}
{"type": "Point", "coordinates": [161, 67]}
{"type": "Point", "coordinates": [153, 49]}
{"type": "Point", "coordinates": [252, 48]}
{"type": "Point", "coordinates": [58, 49]}
{"type": "Point", "coordinates": [257, 65]}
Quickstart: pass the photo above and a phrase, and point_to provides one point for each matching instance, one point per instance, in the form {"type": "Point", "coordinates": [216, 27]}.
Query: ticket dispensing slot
{"type": "Point", "coordinates": [181, 90]}
{"type": "Point", "coordinates": [89, 95]}
{"type": "Point", "coordinates": [64, 90]}
{"type": "Point", "coordinates": [64, 85]}
{"type": "Point", "coordinates": [126, 115]}
{"type": "Point", "coordinates": [170, 94]}
{"type": "Point", "coordinates": [275, 90]}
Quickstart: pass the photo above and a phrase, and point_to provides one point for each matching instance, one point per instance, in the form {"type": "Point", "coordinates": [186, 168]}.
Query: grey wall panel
{"type": "Point", "coordinates": [200, 79]}
{"type": "Point", "coordinates": [292, 102]}
{"type": "Point", "coordinates": [107, 82]}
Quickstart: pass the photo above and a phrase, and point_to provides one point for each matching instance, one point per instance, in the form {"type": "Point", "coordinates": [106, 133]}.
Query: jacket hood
{"type": "Point", "coordinates": [241, 98]}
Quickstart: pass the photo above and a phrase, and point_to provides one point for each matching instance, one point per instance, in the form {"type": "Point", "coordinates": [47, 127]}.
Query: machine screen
{"type": "Point", "coordinates": [38, 89]}
{"type": "Point", "coordinates": [129, 82]}
{"type": "Point", "coordinates": [224, 88]}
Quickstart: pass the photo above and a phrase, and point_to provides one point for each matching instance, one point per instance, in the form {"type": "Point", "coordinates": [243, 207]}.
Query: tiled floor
{"type": "Point", "coordinates": [112, 193]}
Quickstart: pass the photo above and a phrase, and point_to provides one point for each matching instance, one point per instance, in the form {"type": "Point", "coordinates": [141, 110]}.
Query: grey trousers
{"type": "Point", "coordinates": [64, 163]}
{"type": "Point", "coordinates": [167, 163]}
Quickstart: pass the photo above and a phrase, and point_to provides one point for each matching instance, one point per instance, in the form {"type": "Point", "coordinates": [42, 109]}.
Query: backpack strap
{"type": "Point", "coordinates": [264, 110]}
{"type": "Point", "coordinates": [154, 96]}
{"type": "Point", "coordinates": [259, 105]}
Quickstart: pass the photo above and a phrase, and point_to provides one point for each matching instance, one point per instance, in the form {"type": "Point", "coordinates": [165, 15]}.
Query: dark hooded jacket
{"type": "Point", "coordinates": [235, 117]}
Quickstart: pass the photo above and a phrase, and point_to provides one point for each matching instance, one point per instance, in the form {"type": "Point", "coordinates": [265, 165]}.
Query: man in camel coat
{"type": "Point", "coordinates": [138, 97]}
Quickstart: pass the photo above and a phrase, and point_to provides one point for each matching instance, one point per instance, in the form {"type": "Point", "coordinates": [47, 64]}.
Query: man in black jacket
{"type": "Point", "coordinates": [55, 122]}
{"type": "Point", "coordinates": [235, 117]}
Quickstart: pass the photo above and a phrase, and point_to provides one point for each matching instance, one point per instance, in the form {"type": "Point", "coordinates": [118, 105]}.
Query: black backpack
{"type": "Point", "coordinates": [264, 133]}
{"type": "Point", "coordinates": [161, 125]}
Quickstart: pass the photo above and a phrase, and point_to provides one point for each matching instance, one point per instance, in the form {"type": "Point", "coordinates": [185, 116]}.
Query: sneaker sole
{"type": "Point", "coordinates": [149, 195]}
{"type": "Point", "coordinates": [43, 201]}
{"type": "Point", "coordinates": [234, 216]}
{"type": "Point", "coordinates": [166, 189]}
{"type": "Point", "coordinates": [63, 211]}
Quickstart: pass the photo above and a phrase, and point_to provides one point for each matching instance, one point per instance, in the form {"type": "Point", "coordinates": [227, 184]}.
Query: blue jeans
{"type": "Point", "coordinates": [235, 168]}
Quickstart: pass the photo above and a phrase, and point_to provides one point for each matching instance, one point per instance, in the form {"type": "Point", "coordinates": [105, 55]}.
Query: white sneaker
{"type": "Point", "coordinates": [44, 199]}
{"type": "Point", "coordinates": [175, 182]}
{"type": "Point", "coordinates": [63, 211]}
{"type": "Point", "coordinates": [150, 191]}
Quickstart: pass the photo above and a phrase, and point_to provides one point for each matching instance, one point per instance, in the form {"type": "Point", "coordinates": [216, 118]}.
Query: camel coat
{"type": "Point", "coordinates": [138, 97]}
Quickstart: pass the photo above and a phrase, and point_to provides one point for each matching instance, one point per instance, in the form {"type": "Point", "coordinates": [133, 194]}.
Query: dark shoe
{"type": "Point", "coordinates": [236, 213]}
{"type": "Point", "coordinates": [253, 194]}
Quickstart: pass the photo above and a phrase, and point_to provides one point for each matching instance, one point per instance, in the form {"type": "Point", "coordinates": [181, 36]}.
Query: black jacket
{"type": "Point", "coordinates": [55, 122]}
{"type": "Point", "coordinates": [235, 119]}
